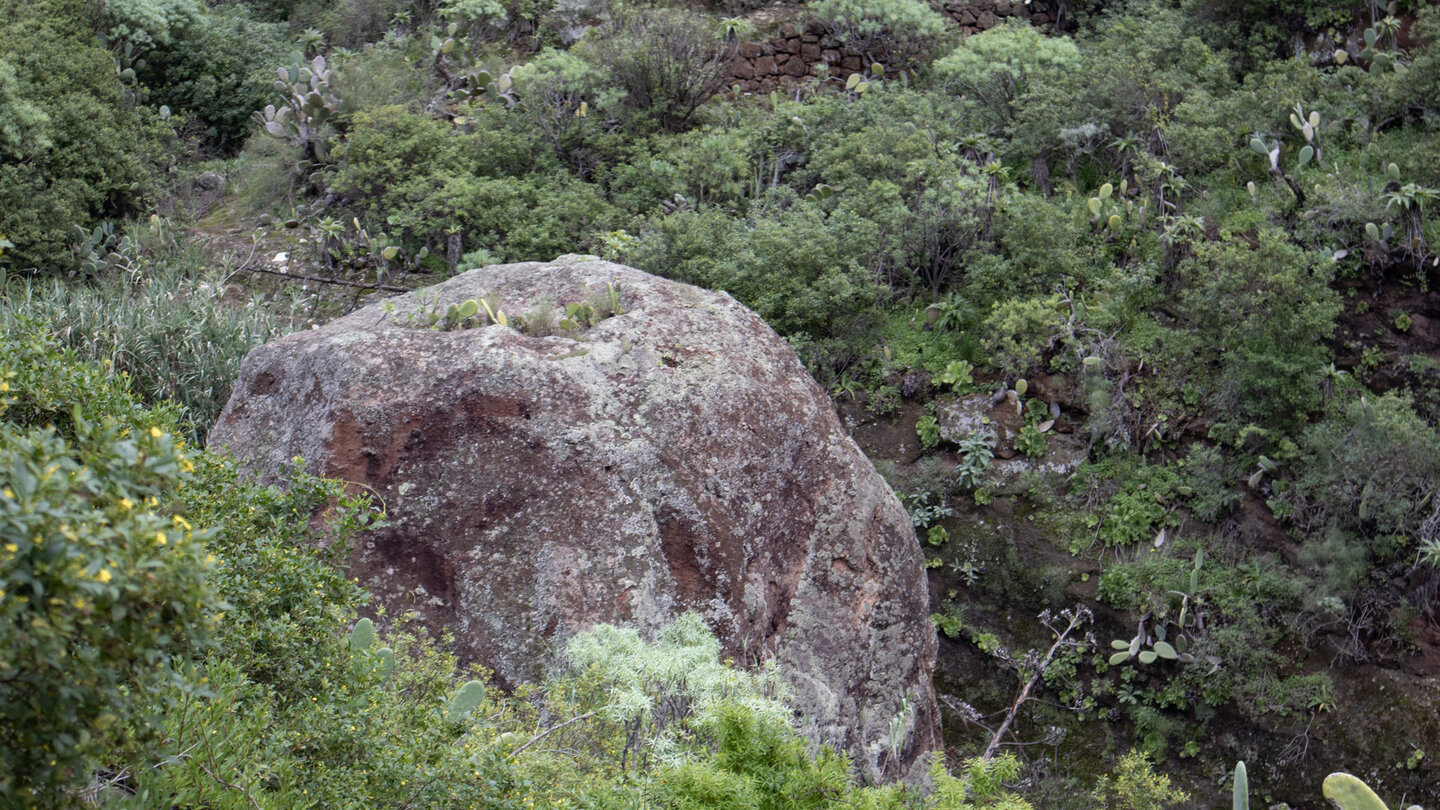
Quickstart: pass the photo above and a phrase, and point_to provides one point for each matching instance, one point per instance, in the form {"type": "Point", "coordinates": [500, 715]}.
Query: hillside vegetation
{"type": "Point", "coordinates": [1191, 241]}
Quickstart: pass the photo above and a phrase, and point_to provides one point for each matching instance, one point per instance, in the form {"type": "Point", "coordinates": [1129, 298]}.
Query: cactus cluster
{"type": "Point", "coordinates": [821, 193]}
{"type": "Point", "coordinates": [475, 312]}
{"type": "Point", "coordinates": [466, 315]}
{"type": "Point", "coordinates": [1240, 791]}
{"type": "Point", "coordinates": [1379, 60]}
{"type": "Point", "coordinates": [481, 85]}
{"type": "Point", "coordinates": [1348, 792]}
{"type": "Point", "coordinates": [1308, 125]}
{"type": "Point", "coordinates": [857, 84]}
{"type": "Point", "coordinates": [362, 638]}
{"type": "Point", "coordinates": [465, 81]}
{"type": "Point", "coordinates": [1109, 210]}
{"type": "Point", "coordinates": [1148, 646]}
{"type": "Point", "coordinates": [304, 119]}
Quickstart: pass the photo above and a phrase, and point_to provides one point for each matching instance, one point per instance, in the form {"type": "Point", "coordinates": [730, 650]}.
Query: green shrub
{"type": "Point", "coordinates": [1135, 786]}
{"type": "Point", "coordinates": [1269, 304]}
{"type": "Point", "coordinates": [393, 158]}
{"type": "Point", "coordinates": [552, 91]}
{"type": "Point", "coordinates": [78, 147]}
{"type": "Point", "coordinates": [102, 590]}
{"type": "Point", "coordinates": [539, 216]}
{"type": "Point", "coordinates": [1364, 477]}
{"type": "Point", "coordinates": [1019, 332]}
{"type": "Point", "coordinates": [668, 61]}
{"type": "Point", "coordinates": [1260, 30]}
{"type": "Point", "coordinates": [904, 29]}
{"type": "Point", "coordinates": [996, 68]}
{"type": "Point", "coordinates": [791, 263]}
{"type": "Point", "coordinates": [758, 763]}
{"type": "Point", "coordinates": [1037, 246]}
{"type": "Point", "coordinates": [663, 691]}
{"type": "Point", "coordinates": [218, 70]}
{"type": "Point", "coordinates": [1143, 504]}
{"type": "Point", "coordinates": [145, 24]}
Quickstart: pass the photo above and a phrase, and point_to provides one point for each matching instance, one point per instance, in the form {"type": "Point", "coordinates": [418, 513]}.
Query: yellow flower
{"type": "Point", "coordinates": [160, 538]}
{"type": "Point", "coordinates": [4, 386]}
{"type": "Point", "coordinates": [181, 522]}
{"type": "Point", "coordinates": [104, 575]}
{"type": "Point", "coordinates": [186, 465]}
{"type": "Point", "coordinates": [127, 504]}
{"type": "Point", "coordinates": [156, 432]}
{"type": "Point", "coordinates": [152, 502]}
{"type": "Point", "coordinates": [8, 492]}
{"type": "Point", "coordinates": [11, 547]}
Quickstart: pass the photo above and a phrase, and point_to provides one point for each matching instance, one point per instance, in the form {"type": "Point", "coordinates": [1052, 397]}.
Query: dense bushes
{"type": "Point", "coordinates": [78, 146]}
{"type": "Point", "coordinates": [668, 62]}
{"type": "Point", "coordinates": [102, 591]}
{"type": "Point", "coordinates": [1362, 488]}
{"type": "Point", "coordinates": [901, 28]}
{"type": "Point", "coordinates": [216, 72]}
{"type": "Point", "coordinates": [1270, 305]}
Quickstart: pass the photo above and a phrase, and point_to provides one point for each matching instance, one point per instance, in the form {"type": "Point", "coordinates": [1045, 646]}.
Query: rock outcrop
{"type": "Point", "coordinates": [675, 457]}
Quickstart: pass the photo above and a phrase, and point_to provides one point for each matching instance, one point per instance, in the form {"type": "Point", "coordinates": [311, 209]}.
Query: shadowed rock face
{"type": "Point", "coordinates": [675, 457]}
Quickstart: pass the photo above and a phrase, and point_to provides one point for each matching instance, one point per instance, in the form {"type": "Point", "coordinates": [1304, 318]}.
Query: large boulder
{"type": "Point", "coordinates": [675, 457]}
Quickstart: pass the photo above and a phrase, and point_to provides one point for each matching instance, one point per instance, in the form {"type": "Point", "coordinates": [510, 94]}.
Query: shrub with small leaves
{"type": "Point", "coordinates": [101, 586]}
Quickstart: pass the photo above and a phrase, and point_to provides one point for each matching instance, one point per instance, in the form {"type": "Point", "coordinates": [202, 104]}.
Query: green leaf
{"type": "Point", "coordinates": [1258, 147]}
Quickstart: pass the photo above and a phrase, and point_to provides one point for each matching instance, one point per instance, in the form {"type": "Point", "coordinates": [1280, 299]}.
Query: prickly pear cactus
{"type": "Point", "coordinates": [362, 636]}
{"type": "Point", "coordinates": [1351, 793]}
{"type": "Point", "coordinates": [466, 700]}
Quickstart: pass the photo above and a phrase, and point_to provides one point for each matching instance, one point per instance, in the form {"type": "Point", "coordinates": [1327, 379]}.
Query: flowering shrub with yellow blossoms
{"type": "Point", "coordinates": [101, 585]}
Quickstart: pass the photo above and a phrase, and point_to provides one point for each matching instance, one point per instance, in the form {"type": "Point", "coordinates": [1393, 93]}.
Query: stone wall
{"type": "Point", "coordinates": [797, 52]}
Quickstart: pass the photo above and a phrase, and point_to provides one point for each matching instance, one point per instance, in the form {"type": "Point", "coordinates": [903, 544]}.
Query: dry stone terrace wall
{"type": "Point", "coordinates": [801, 52]}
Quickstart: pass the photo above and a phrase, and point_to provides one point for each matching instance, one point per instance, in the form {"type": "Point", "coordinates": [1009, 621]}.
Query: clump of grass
{"type": "Point", "coordinates": [167, 329]}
